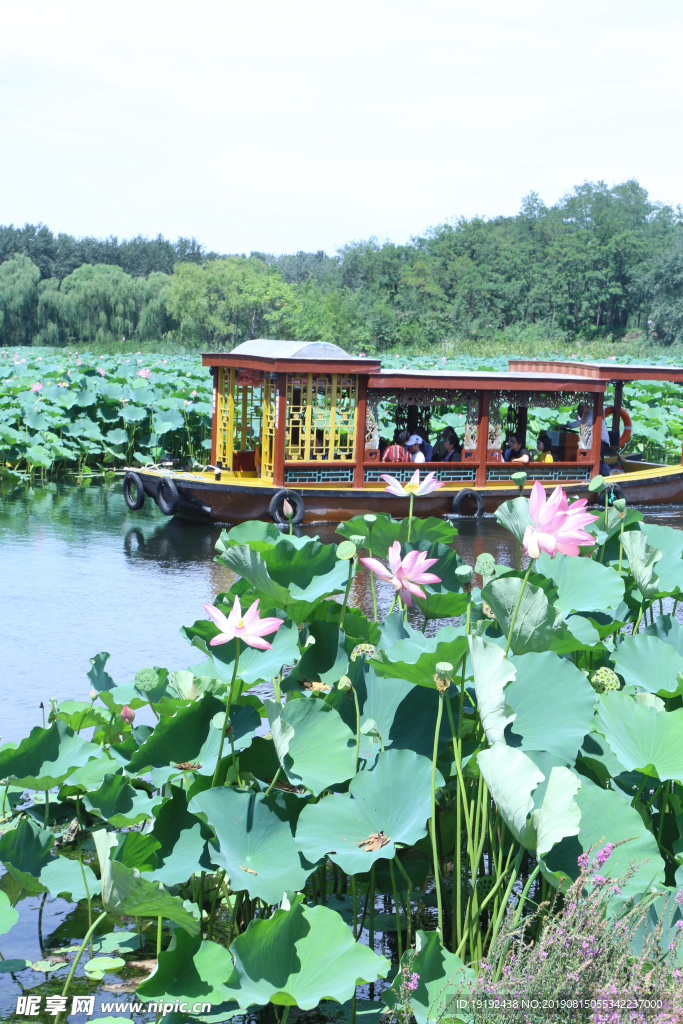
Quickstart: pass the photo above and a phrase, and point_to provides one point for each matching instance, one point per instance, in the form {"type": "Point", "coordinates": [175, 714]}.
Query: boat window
{"type": "Point", "coordinates": [321, 416]}
{"type": "Point", "coordinates": [425, 412]}
{"type": "Point", "coordinates": [245, 421]}
{"type": "Point", "coordinates": [530, 415]}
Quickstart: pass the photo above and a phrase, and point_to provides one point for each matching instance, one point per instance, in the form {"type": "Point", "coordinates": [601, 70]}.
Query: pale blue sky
{"type": "Point", "coordinates": [302, 124]}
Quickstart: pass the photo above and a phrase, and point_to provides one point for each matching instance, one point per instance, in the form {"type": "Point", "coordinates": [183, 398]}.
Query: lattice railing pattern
{"type": "Point", "coordinates": [542, 472]}
{"type": "Point", "coordinates": [323, 474]}
{"type": "Point", "coordinates": [455, 472]}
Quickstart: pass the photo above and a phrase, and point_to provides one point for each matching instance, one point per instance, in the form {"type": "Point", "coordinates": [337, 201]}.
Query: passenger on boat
{"type": "Point", "coordinates": [426, 447]}
{"type": "Point", "coordinates": [413, 444]}
{"type": "Point", "coordinates": [452, 448]}
{"type": "Point", "coordinates": [439, 448]}
{"type": "Point", "coordinates": [515, 451]}
{"type": "Point", "coordinates": [396, 452]}
{"type": "Point", "coordinates": [543, 447]}
{"type": "Point", "coordinates": [604, 433]}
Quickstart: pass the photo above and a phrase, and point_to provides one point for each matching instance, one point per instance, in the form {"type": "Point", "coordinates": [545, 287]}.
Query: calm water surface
{"type": "Point", "coordinates": [81, 574]}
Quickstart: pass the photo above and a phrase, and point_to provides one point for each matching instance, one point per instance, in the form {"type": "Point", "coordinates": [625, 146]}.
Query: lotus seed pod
{"type": "Point", "coordinates": [287, 510]}
{"type": "Point", "coordinates": [344, 683]}
{"type": "Point", "coordinates": [604, 680]}
{"type": "Point", "coordinates": [357, 540]}
{"type": "Point", "coordinates": [346, 550]}
{"type": "Point", "coordinates": [519, 479]}
{"type": "Point", "coordinates": [485, 884]}
{"type": "Point", "coordinates": [464, 574]}
{"type": "Point", "coordinates": [597, 484]}
{"type": "Point", "coordinates": [145, 680]}
{"type": "Point", "coordinates": [127, 714]}
{"type": "Point", "coordinates": [444, 670]}
{"type": "Point", "coordinates": [363, 649]}
{"type": "Point", "coordinates": [619, 504]}
{"type": "Point", "coordinates": [485, 565]}
{"type": "Point", "coordinates": [370, 519]}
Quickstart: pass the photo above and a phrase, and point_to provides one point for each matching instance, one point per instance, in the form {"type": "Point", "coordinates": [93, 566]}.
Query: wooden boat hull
{"type": "Point", "coordinates": [236, 501]}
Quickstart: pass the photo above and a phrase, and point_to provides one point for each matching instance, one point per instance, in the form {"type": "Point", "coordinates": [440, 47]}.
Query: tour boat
{"type": "Point", "coordinates": [298, 421]}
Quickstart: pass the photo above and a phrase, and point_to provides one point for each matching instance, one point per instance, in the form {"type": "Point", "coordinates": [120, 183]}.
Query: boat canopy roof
{"type": "Point", "coordinates": [607, 371]}
{"type": "Point", "coordinates": [482, 380]}
{"type": "Point", "coordinates": [276, 356]}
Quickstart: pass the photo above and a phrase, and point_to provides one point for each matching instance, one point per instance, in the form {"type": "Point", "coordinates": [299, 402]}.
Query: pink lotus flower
{"type": "Point", "coordinates": [249, 627]}
{"type": "Point", "coordinates": [127, 714]}
{"type": "Point", "coordinates": [101, 371]}
{"type": "Point", "coordinates": [443, 359]}
{"type": "Point", "coordinates": [193, 394]}
{"type": "Point", "coordinates": [405, 576]}
{"type": "Point", "coordinates": [557, 526]}
{"type": "Point", "coordinates": [428, 485]}
{"type": "Point", "coordinates": [37, 386]}
{"type": "Point", "coordinates": [144, 372]}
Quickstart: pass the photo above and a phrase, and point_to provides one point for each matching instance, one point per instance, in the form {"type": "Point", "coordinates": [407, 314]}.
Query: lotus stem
{"type": "Point", "coordinates": [159, 920]}
{"type": "Point", "coordinates": [408, 896]}
{"type": "Point", "coordinates": [410, 514]}
{"type": "Point", "coordinates": [432, 829]}
{"type": "Point", "coordinates": [514, 614]}
{"type": "Point", "coordinates": [396, 909]}
{"type": "Point", "coordinates": [346, 593]}
{"type": "Point", "coordinates": [214, 903]}
{"type": "Point", "coordinates": [355, 698]}
{"type": "Point", "coordinates": [354, 900]}
{"type": "Point", "coordinates": [275, 778]}
{"type": "Point", "coordinates": [525, 893]}
{"type": "Point", "coordinates": [79, 954]}
{"type": "Point", "coordinates": [371, 928]}
{"type": "Point", "coordinates": [226, 725]}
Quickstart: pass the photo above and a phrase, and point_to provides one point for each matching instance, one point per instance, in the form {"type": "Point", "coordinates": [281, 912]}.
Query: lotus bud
{"type": "Point", "coordinates": [94, 695]}
{"type": "Point", "coordinates": [604, 679]}
{"type": "Point", "coordinates": [363, 649]}
{"type": "Point", "coordinates": [444, 676]}
{"type": "Point", "coordinates": [287, 510]}
{"type": "Point", "coordinates": [127, 714]}
{"type": "Point", "coordinates": [344, 683]}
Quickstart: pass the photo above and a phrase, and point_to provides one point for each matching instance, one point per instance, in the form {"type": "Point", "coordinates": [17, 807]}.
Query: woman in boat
{"type": "Point", "coordinates": [396, 452]}
{"type": "Point", "coordinates": [543, 447]}
{"type": "Point", "coordinates": [516, 452]}
{"type": "Point", "coordinates": [451, 448]}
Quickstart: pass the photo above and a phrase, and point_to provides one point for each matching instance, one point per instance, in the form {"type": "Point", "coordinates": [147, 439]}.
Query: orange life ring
{"type": "Point", "coordinates": [626, 420]}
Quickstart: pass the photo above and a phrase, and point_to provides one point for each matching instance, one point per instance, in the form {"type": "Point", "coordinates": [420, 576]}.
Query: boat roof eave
{"type": "Point", "coordinates": [607, 371]}
{"type": "Point", "coordinates": [292, 364]}
{"type": "Point", "coordinates": [482, 380]}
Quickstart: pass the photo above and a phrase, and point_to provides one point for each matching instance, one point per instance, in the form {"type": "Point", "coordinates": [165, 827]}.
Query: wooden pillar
{"type": "Point", "coordinates": [361, 428]}
{"type": "Point", "coordinates": [215, 371]}
{"type": "Point", "coordinates": [616, 415]}
{"type": "Point", "coordinates": [280, 430]}
{"type": "Point", "coordinates": [598, 406]}
{"type": "Point", "coordinates": [482, 437]}
{"type": "Point", "coordinates": [412, 419]}
{"type": "Point", "coordinates": [522, 423]}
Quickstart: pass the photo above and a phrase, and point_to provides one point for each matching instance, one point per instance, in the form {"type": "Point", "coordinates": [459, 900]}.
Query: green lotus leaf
{"type": "Point", "coordinates": [257, 535]}
{"type": "Point", "coordinates": [103, 965]}
{"type": "Point", "coordinates": [90, 776]}
{"type": "Point", "coordinates": [254, 840]}
{"type": "Point", "coordinates": [607, 817]}
{"type": "Point", "coordinates": [13, 966]}
{"type": "Point", "coordinates": [299, 957]}
{"type": "Point", "coordinates": [8, 915]}
{"type": "Point", "coordinates": [191, 970]}
{"type": "Point", "coordinates": [293, 576]}
{"type": "Point", "coordinates": [116, 942]}
{"type": "Point", "coordinates": [78, 715]}
{"type": "Point", "coordinates": [314, 745]}
{"type": "Point", "coordinates": [558, 815]}
{"type": "Point", "coordinates": [668, 629]}
{"type": "Point", "coordinates": [48, 966]}
{"type": "Point", "coordinates": [514, 516]}
{"type": "Point", "coordinates": [492, 672]}
{"type": "Point", "coordinates": [511, 778]}
{"type": "Point", "coordinates": [46, 756]}
{"type": "Point", "coordinates": [393, 798]}
{"type": "Point", "coordinates": [254, 665]}
{"type": "Point", "coordinates": [183, 839]}
{"type": "Point", "coordinates": [442, 977]}
{"type": "Point", "coordinates": [649, 663]}
{"type": "Point", "coordinates": [119, 803]}
{"type": "Point", "coordinates": [642, 559]}
{"type": "Point", "coordinates": [384, 531]}
{"type": "Point", "coordinates": [583, 585]}
{"type": "Point", "coordinates": [535, 620]}
{"type": "Point", "coordinates": [642, 739]}
{"type": "Point", "coordinates": [99, 678]}
{"type": "Point", "coordinates": [670, 543]}
{"type": "Point", "coordinates": [188, 737]}
{"type": "Point", "coordinates": [25, 850]}
{"type": "Point", "coordinates": [553, 704]}
{"type": "Point", "coordinates": [63, 876]}
{"type": "Point", "coordinates": [133, 414]}
{"type": "Point", "coordinates": [325, 660]}
{"type": "Point", "coordinates": [415, 659]}
{"type": "Point", "coordinates": [124, 891]}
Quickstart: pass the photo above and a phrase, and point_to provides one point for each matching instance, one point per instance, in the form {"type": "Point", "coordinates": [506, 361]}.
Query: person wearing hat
{"type": "Point", "coordinates": [413, 445]}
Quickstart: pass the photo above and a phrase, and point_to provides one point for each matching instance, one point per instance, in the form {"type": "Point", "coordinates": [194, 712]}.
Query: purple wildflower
{"type": "Point", "coordinates": [603, 855]}
{"type": "Point", "coordinates": [678, 898]}
{"type": "Point", "coordinates": [412, 981]}
{"type": "Point", "coordinates": [582, 861]}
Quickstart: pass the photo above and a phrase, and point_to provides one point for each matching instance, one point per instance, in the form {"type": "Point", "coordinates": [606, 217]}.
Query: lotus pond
{"type": "Point", "coordinates": [340, 810]}
{"type": "Point", "coordinates": [67, 412]}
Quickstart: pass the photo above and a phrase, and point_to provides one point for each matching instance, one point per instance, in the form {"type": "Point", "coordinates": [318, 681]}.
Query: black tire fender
{"type": "Point", "coordinates": [469, 494]}
{"type": "Point", "coordinates": [294, 499]}
{"type": "Point", "coordinates": [167, 497]}
{"type": "Point", "coordinates": [134, 479]}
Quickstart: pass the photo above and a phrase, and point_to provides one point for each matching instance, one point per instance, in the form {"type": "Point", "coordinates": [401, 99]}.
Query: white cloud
{"type": "Point", "coordinates": [256, 124]}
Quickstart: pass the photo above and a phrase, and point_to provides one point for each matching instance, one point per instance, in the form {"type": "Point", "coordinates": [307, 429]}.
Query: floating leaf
{"type": "Point", "coordinates": [441, 978]}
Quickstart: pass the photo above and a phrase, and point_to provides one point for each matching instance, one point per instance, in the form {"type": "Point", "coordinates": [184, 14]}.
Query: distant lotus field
{"type": "Point", "coordinates": [65, 411]}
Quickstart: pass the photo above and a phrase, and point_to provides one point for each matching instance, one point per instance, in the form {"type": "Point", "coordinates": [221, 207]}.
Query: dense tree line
{"type": "Point", "coordinates": [601, 262]}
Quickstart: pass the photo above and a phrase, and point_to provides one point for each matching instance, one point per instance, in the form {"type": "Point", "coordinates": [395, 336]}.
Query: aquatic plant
{"type": "Point", "coordinates": [275, 806]}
